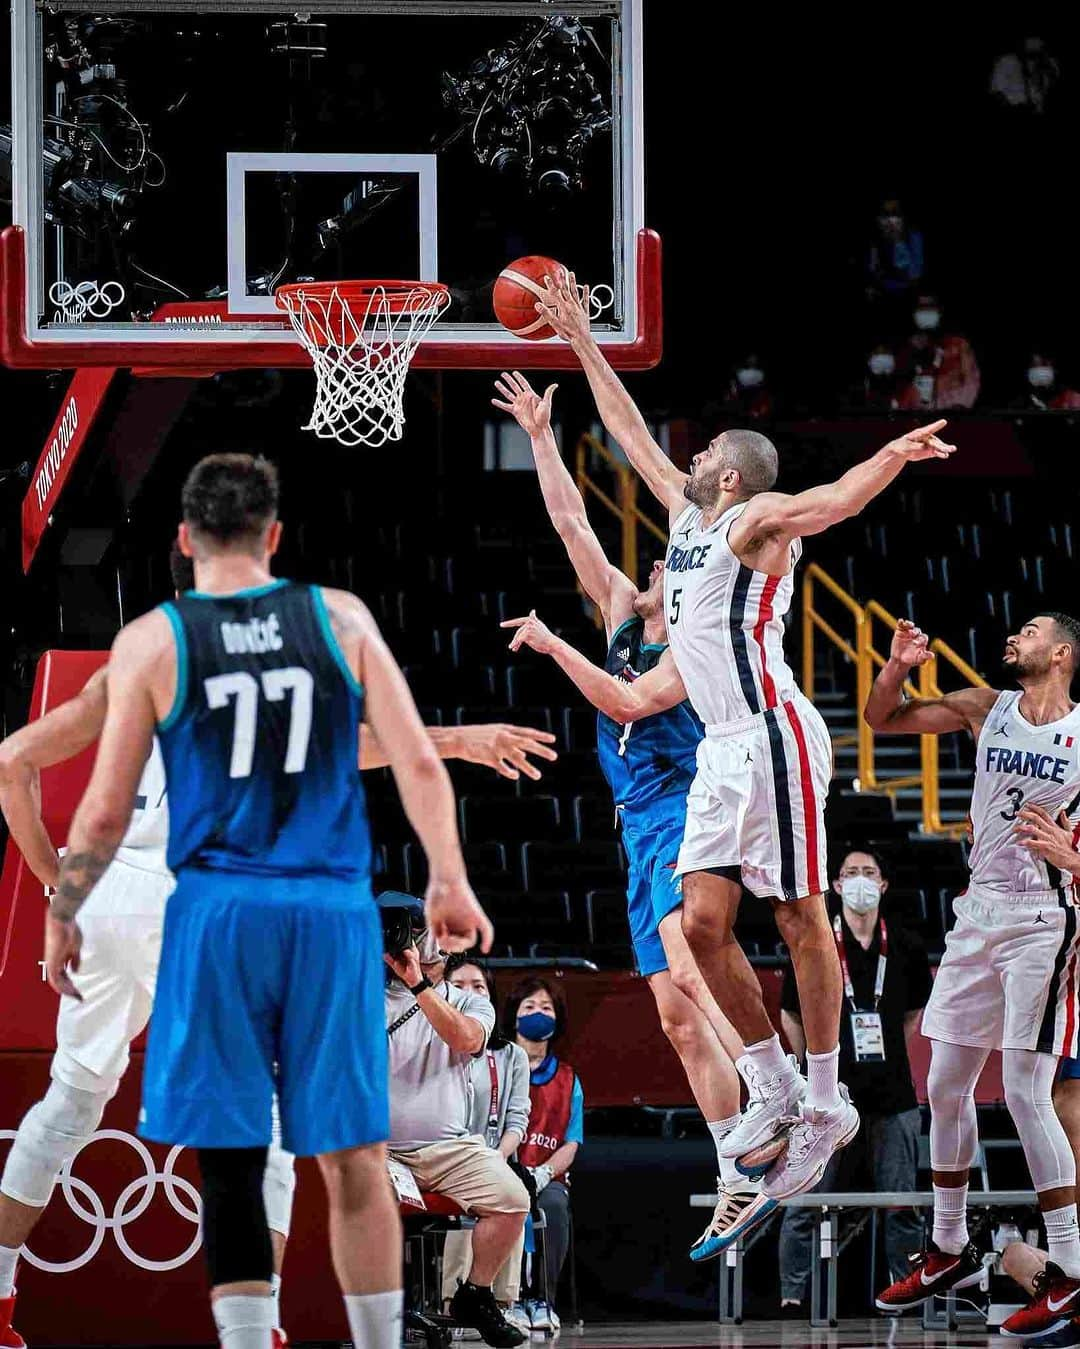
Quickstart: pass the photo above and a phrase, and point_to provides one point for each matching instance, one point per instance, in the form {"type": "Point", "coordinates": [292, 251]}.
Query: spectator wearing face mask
{"type": "Point", "coordinates": [748, 393]}
{"type": "Point", "coordinates": [500, 1115]}
{"type": "Point", "coordinates": [878, 390]}
{"type": "Point", "coordinates": [938, 368]}
{"type": "Point", "coordinates": [535, 1014]}
{"type": "Point", "coordinates": [1026, 78]}
{"type": "Point", "coordinates": [434, 1032]}
{"type": "Point", "coordinates": [1044, 392]}
{"type": "Point", "coordinates": [886, 978]}
{"type": "Point", "coordinates": [896, 260]}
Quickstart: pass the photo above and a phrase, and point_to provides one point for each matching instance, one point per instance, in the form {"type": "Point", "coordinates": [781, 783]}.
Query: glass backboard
{"type": "Point", "coordinates": [174, 162]}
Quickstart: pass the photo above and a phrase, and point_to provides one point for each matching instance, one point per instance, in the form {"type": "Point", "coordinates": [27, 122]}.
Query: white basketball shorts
{"type": "Point", "coordinates": [121, 923]}
{"type": "Point", "coordinates": [758, 801]}
{"type": "Point", "coordinates": [1008, 978]}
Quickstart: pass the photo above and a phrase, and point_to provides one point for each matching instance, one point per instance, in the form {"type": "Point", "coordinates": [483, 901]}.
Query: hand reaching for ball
{"type": "Point", "coordinates": [532, 413]}
{"type": "Point", "coordinates": [565, 305]}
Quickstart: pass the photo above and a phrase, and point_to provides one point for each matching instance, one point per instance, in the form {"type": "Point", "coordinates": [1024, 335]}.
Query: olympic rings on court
{"type": "Point", "coordinates": [93, 1213]}
{"type": "Point", "coordinates": [77, 301]}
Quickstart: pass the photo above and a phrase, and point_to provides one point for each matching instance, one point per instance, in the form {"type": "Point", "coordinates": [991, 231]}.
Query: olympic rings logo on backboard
{"type": "Point", "coordinates": [76, 302]}
{"type": "Point", "coordinates": [127, 1208]}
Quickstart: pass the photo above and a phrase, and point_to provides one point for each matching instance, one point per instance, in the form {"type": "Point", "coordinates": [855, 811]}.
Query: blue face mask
{"type": "Point", "coordinates": [536, 1026]}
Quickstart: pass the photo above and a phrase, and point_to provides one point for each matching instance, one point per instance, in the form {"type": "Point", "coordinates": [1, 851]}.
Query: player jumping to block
{"type": "Point", "coordinates": [1008, 979]}
{"type": "Point", "coordinates": [647, 740]}
{"type": "Point", "coordinates": [755, 813]}
{"type": "Point", "coordinates": [271, 970]}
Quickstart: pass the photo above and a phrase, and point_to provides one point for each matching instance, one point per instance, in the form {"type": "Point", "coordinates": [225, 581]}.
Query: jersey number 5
{"type": "Point", "coordinates": [676, 606]}
{"type": "Point", "coordinates": [245, 689]}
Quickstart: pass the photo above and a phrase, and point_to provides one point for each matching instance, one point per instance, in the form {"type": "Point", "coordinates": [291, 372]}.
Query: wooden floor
{"type": "Point", "coordinates": [907, 1334]}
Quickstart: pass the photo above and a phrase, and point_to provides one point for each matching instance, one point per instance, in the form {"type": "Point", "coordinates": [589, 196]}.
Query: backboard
{"type": "Point", "coordinates": [173, 162]}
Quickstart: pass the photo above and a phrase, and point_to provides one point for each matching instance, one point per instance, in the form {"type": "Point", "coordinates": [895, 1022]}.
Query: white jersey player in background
{"type": "Point", "coordinates": [755, 813]}
{"type": "Point", "coordinates": [1008, 979]}
{"type": "Point", "coordinates": [121, 924]}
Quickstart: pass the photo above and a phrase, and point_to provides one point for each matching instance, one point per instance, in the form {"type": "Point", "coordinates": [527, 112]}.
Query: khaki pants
{"type": "Point", "coordinates": [457, 1262]}
{"type": "Point", "coordinates": [470, 1173]}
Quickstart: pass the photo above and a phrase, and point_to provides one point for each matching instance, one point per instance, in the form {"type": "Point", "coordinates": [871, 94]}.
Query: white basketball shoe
{"type": "Point", "coordinates": [759, 1137]}
{"type": "Point", "coordinates": [812, 1138]}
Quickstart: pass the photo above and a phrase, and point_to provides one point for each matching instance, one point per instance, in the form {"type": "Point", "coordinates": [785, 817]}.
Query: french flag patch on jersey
{"type": "Point", "coordinates": [1065, 740]}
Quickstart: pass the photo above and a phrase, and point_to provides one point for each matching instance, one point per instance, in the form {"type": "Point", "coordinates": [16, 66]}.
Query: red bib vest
{"type": "Point", "coordinates": [549, 1118]}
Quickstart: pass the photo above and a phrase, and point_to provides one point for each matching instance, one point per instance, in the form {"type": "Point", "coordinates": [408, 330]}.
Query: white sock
{"type": "Point", "coordinates": [1063, 1239]}
{"type": "Point", "coordinates": [720, 1129]}
{"type": "Point", "coordinates": [769, 1059]}
{"type": "Point", "coordinates": [9, 1258]}
{"type": "Point", "coordinates": [821, 1071]}
{"type": "Point", "coordinates": [244, 1322]}
{"type": "Point", "coordinates": [275, 1296]}
{"type": "Point", "coordinates": [374, 1319]}
{"type": "Point", "coordinates": [950, 1218]}
{"type": "Point", "coordinates": [744, 1067]}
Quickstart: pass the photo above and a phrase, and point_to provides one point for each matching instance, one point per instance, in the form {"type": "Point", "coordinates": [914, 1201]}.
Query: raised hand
{"type": "Point", "coordinates": [531, 412]}
{"type": "Point", "coordinates": [507, 748]}
{"type": "Point", "coordinates": [455, 918]}
{"type": "Point", "coordinates": [1053, 842]}
{"type": "Point", "coordinates": [910, 645]}
{"type": "Point", "coordinates": [406, 966]}
{"type": "Point", "coordinates": [530, 632]}
{"type": "Point", "coordinates": [922, 443]}
{"type": "Point", "coordinates": [566, 306]}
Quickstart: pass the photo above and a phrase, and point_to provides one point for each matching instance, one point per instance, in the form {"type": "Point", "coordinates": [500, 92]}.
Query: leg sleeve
{"type": "Point", "coordinates": [1029, 1083]}
{"type": "Point", "coordinates": [954, 1130]}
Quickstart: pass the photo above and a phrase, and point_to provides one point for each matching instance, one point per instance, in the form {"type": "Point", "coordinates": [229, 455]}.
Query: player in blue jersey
{"type": "Point", "coordinates": [647, 739]}
{"type": "Point", "coordinates": [271, 971]}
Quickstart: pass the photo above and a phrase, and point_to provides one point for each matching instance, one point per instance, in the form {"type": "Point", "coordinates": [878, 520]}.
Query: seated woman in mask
{"type": "Point", "coordinates": [500, 1115]}
{"type": "Point", "coordinates": [535, 1014]}
{"type": "Point", "coordinates": [1044, 390]}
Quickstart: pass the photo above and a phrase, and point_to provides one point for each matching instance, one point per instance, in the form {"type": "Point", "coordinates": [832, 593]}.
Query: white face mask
{"type": "Point", "coordinates": [860, 893]}
{"type": "Point", "coordinates": [882, 363]}
{"type": "Point", "coordinates": [750, 376]}
{"type": "Point", "coordinates": [1041, 376]}
{"type": "Point", "coordinates": [927, 319]}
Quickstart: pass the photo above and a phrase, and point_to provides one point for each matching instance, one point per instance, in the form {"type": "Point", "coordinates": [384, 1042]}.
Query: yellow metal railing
{"type": "Point", "coordinates": [622, 501]}
{"type": "Point", "coordinates": [861, 649]}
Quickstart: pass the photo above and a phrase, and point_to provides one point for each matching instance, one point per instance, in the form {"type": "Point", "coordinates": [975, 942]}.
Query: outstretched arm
{"type": "Point", "coordinates": [58, 735]}
{"type": "Point", "coordinates": [608, 588]}
{"type": "Point", "coordinates": [888, 712]}
{"type": "Point", "coordinates": [506, 749]}
{"type": "Point", "coordinates": [563, 308]}
{"type": "Point", "coordinates": [776, 518]}
{"type": "Point", "coordinates": [655, 691]}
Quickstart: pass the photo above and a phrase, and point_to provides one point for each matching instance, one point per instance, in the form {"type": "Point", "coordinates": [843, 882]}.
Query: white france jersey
{"type": "Point", "coordinates": [1016, 765]}
{"type": "Point", "coordinates": [725, 621]}
{"type": "Point", "coordinates": [147, 836]}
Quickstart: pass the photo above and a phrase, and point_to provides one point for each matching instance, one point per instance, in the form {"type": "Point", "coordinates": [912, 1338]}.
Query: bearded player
{"type": "Point", "coordinates": [1008, 979]}
{"type": "Point", "coordinates": [755, 813]}
{"type": "Point", "coordinates": [647, 740]}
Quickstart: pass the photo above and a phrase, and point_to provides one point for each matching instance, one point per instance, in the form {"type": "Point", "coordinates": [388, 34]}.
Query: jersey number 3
{"type": "Point", "coordinates": [245, 689]}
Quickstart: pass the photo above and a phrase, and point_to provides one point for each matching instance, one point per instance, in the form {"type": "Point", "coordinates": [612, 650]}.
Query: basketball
{"type": "Point", "coordinates": [517, 290]}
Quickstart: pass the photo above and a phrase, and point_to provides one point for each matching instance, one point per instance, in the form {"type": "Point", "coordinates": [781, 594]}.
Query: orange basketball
{"type": "Point", "coordinates": [517, 290]}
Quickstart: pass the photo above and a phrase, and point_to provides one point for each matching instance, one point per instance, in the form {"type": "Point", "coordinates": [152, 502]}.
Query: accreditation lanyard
{"type": "Point", "coordinates": [883, 956]}
{"type": "Point", "coordinates": [493, 1106]}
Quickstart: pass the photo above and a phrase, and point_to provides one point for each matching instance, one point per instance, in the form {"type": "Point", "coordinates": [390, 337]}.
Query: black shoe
{"type": "Point", "coordinates": [477, 1308]}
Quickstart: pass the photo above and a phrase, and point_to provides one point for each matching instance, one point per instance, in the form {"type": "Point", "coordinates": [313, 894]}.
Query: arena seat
{"type": "Point", "coordinates": [509, 819]}
{"type": "Point", "coordinates": [572, 865]}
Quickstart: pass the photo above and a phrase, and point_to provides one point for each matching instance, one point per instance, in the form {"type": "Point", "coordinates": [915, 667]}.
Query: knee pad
{"type": "Point", "coordinates": [235, 1232]}
{"type": "Point", "coordinates": [50, 1135]}
{"type": "Point", "coordinates": [279, 1183]}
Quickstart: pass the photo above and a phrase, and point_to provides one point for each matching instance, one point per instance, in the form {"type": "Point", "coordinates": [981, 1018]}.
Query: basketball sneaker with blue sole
{"type": "Point", "coordinates": [739, 1210]}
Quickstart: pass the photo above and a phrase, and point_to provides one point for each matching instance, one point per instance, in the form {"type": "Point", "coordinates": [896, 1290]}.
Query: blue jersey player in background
{"type": "Point", "coordinates": [647, 740]}
{"type": "Point", "coordinates": [271, 970]}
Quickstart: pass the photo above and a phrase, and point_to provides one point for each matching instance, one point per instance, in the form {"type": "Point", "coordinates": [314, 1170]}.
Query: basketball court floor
{"type": "Point", "coordinates": [866, 1334]}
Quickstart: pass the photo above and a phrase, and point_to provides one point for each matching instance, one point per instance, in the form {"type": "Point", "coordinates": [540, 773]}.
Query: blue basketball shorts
{"type": "Point", "coordinates": [1068, 1069]}
{"type": "Point", "coordinates": [653, 890]}
{"type": "Point", "coordinates": [268, 984]}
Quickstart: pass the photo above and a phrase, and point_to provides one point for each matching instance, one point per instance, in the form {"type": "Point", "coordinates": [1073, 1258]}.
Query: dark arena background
{"type": "Point", "coordinates": [816, 183]}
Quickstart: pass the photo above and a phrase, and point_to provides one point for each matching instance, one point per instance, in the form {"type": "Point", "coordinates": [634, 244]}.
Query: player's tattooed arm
{"type": "Point", "coordinates": [79, 873]}
{"type": "Point", "coordinates": [58, 735]}
{"type": "Point", "coordinates": [889, 712]}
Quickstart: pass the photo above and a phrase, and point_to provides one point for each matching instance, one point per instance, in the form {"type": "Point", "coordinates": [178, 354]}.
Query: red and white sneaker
{"type": "Point", "coordinates": [279, 1339]}
{"type": "Point", "coordinates": [1055, 1302]}
{"type": "Point", "coordinates": [9, 1336]}
{"type": "Point", "coordinates": [932, 1272]}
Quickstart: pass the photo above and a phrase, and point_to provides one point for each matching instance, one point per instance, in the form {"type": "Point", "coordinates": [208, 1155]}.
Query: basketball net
{"type": "Point", "coordinates": [361, 336]}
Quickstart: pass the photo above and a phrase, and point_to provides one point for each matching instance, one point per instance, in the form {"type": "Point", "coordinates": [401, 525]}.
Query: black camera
{"type": "Point", "coordinates": [402, 923]}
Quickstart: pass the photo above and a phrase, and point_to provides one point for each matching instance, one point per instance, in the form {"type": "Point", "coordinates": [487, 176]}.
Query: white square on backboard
{"type": "Point", "coordinates": [241, 164]}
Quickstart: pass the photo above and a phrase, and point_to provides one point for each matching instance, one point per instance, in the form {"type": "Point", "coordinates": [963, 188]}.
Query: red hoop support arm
{"type": "Point", "coordinates": [18, 352]}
